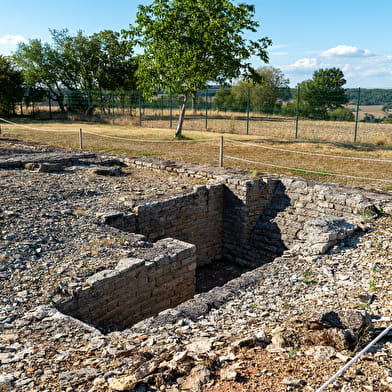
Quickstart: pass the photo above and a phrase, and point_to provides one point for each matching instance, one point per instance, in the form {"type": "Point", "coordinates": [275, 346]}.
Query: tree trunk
{"type": "Point", "coordinates": [194, 104]}
{"type": "Point", "coordinates": [182, 116]}
{"type": "Point", "coordinates": [59, 98]}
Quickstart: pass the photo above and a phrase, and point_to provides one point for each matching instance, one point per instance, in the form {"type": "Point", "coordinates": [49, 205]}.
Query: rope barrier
{"type": "Point", "coordinates": [306, 171]}
{"type": "Point", "coordinates": [37, 129]}
{"type": "Point", "coordinates": [150, 141]}
{"type": "Point", "coordinates": [227, 156]}
{"type": "Point", "coordinates": [348, 364]}
{"type": "Point", "coordinates": [112, 137]}
{"type": "Point", "coordinates": [309, 153]}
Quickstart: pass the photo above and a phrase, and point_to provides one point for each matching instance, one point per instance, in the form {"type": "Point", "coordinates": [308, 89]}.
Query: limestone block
{"type": "Point", "coordinates": [129, 264]}
{"type": "Point", "coordinates": [100, 277]}
{"type": "Point", "coordinates": [321, 233]}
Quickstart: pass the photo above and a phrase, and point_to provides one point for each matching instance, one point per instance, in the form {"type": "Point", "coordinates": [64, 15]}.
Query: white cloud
{"type": "Point", "coordinates": [382, 71]}
{"type": "Point", "coordinates": [279, 53]}
{"type": "Point", "coordinates": [361, 68]}
{"type": "Point", "coordinates": [346, 51]}
{"type": "Point", "coordinates": [351, 68]}
{"type": "Point", "coordinates": [282, 46]}
{"type": "Point", "coordinates": [12, 39]}
{"type": "Point", "coordinates": [276, 52]}
{"type": "Point", "coordinates": [379, 60]}
{"type": "Point", "coordinates": [363, 75]}
{"type": "Point", "coordinates": [304, 64]}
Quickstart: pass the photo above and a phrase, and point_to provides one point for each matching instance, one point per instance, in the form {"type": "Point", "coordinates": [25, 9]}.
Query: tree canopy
{"type": "Point", "coordinates": [189, 43]}
{"type": "Point", "coordinates": [370, 96]}
{"type": "Point", "coordinates": [77, 62]}
{"type": "Point", "coordinates": [324, 92]}
{"type": "Point", "coordinates": [272, 88]}
{"type": "Point", "coordinates": [11, 90]}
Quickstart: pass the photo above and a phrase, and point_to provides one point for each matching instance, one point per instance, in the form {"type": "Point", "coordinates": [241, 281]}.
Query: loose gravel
{"type": "Point", "coordinates": [51, 239]}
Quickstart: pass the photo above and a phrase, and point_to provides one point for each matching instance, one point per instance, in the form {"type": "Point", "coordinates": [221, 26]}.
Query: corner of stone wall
{"type": "Point", "coordinates": [136, 288]}
{"type": "Point", "coordinates": [265, 216]}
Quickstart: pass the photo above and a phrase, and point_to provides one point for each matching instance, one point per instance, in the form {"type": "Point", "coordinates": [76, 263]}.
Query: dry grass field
{"type": "Point", "coordinates": [272, 126]}
{"type": "Point", "coordinates": [375, 110]}
{"type": "Point", "coordinates": [263, 125]}
{"type": "Point", "coordinates": [265, 146]}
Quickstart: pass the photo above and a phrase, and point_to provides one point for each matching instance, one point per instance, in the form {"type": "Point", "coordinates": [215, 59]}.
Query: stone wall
{"type": "Point", "coordinates": [295, 203]}
{"type": "Point", "coordinates": [136, 288]}
{"type": "Point", "coordinates": [248, 221]}
{"type": "Point", "coordinates": [269, 216]}
{"type": "Point", "coordinates": [265, 216]}
{"type": "Point", "coordinates": [195, 218]}
{"type": "Point", "coordinates": [244, 203]}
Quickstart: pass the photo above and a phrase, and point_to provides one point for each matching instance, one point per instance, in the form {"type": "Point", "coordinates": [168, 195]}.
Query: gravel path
{"type": "Point", "coordinates": [51, 238]}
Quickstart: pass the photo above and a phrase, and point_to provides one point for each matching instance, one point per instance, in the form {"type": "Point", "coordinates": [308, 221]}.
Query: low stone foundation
{"type": "Point", "coordinates": [137, 289]}
{"type": "Point", "coordinates": [195, 218]}
{"type": "Point", "coordinates": [237, 218]}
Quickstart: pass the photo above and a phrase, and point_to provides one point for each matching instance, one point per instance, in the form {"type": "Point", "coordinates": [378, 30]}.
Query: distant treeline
{"type": "Point", "coordinates": [370, 96]}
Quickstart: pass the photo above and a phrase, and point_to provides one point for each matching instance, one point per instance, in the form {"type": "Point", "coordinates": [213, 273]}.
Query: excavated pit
{"type": "Point", "coordinates": [217, 274]}
{"type": "Point", "coordinates": [192, 243]}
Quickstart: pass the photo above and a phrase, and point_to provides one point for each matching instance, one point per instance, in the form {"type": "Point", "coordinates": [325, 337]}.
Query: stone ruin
{"type": "Point", "coordinates": [244, 220]}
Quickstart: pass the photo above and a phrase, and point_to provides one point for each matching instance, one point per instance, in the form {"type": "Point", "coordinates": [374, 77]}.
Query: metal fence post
{"type": "Point", "coordinates": [357, 115]}
{"type": "Point", "coordinates": [206, 97]}
{"type": "Point", "coordinates": [247, 112]}
{"type": "Point", "coordinates": [221, 151]}
{"type": "Point", "coordinates": [112, 107]}
{"type": "Point", "coordinates": [50, 106]}
{"type": "Point", "coordinates": [171, 109]}
{"type": "Point", "coordinates": [81, 139]}
{"type": "Point", "coordinates": [69, 102]}
{"type": "Point", "coordinates": [89, 104]}
{"type": "Point", "coordinates": [140, 108]}
{"type": "Point", "coordinates": [297, 111]}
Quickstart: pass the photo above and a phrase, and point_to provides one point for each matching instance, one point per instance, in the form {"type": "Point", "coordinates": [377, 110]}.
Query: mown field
{"type": "Point", "coordinates": [265, 125]}
{"type": "Point", "coordinates": [325, 138]}
{"type": "Point", "coordinates": [283, 128]}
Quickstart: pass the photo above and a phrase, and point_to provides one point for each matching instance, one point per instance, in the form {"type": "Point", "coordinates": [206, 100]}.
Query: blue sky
{"type": "Point", "coordinates": [353, 35]}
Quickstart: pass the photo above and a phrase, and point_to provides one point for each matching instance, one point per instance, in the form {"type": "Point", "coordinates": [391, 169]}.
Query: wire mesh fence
{"type": "Point", "coordinates": [320, 161]}
{"type": "Point", "coordinates": [268, 113]}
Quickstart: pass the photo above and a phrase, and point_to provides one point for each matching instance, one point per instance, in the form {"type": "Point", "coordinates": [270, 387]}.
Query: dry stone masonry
{"type": "Point", "coordinates": [246, 221]}
{"type": "Point", "coordinates": [118, 249]}
{"type": "Point", "coordinates": [137, 289]}
{"type": "Point", "coordinates": [252, 221]}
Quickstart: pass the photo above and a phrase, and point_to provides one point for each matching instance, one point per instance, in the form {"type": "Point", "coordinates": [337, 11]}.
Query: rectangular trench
{"type": "Point", "coordinates": [246, 222]}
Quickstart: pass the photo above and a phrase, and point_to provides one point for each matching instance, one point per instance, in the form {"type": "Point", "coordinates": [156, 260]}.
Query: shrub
{"type": "Point", "coordinates": [341, 114]}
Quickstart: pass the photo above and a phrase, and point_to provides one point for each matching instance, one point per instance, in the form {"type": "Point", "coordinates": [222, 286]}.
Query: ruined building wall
{"type": "Point", "coordinates": [196, 217]}
{"type": "Point", "coordinates": [258, 218]}
{"type": "Point", "coordinates": [248, 221]}
{"type": "Point", "coordinates": [270, 215]}
{"type": "Point", "coordinates": [136, 288]}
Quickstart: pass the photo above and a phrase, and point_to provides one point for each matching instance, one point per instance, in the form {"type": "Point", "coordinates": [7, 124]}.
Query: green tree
{"type": "Point", "coordinates": [116, 64]}
{"type": "Point", "coordinates": [189, 43]}
{"type": "Point", "coordinates": [11, 90]}
{"type": "Point", "coordinates": [101, 61]}
{"type": "Point", "coordinates": [341, 114]}
{"type": "Point", "coordinates": [42, 68]}
{"type": "Point", "coordinates": [324, 92]}
{"type": "Point", "coordinates": [372, 96]}
{"type": "Point", "coordinates": [224, 100]}
{"type": "Point", "coordinates": [272, 87]}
